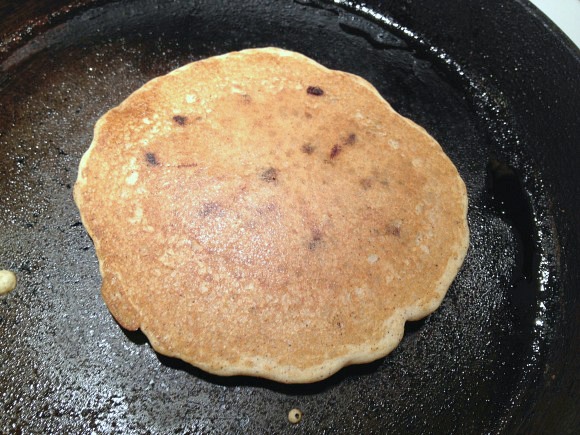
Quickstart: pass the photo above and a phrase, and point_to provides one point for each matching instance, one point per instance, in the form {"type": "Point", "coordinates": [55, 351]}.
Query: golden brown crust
{"type": "Point", "coordinates": [256, 213]}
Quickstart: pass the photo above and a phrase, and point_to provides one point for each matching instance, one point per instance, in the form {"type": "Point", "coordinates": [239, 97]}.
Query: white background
{"type": "Point", "coordinates": [566, 15]}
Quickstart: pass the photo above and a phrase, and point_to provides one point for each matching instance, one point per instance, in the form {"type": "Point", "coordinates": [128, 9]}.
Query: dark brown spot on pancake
{"type": "Point", "coordinates": [151, 159]}
{"type": "Point", "coordinates": [393, 230]}
{"type": "Point", "coordinates": [315, 240]}
{"type": "Point", "coordinates": [335, 151]}
{"type": "Point", "coordinates": [270, 175]}
{"type": "Point", "coordinates": [308, 115]}
{"type": "Point", "coordinates": [366, 183]}
{"type": "Point", "coordinates": [267, 209]}
{"type": "Point", "coordinates": [246, 99]}
{"type": "Point", "coordinates": [307, 148]}
{"type": "Point", "coordinates": [209, 208]}
{"type": "Point", "coordinates": [314, 90]}
{"type": "Point", "coordinates": [184, 165]}
{"type": "Point", "coordinates": [316, 234]}
{"type": "Point", "coordinates": [351, 139]}
{"type": "Point", "coordinates": [180, 119]}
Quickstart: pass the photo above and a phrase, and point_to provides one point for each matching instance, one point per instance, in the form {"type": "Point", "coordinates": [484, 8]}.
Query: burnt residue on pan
{"type": "Point", "coordinates": [66, 366]}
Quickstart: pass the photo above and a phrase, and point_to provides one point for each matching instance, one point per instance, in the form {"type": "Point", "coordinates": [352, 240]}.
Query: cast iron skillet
{"type": "Point", "coordinates": [493, 81]}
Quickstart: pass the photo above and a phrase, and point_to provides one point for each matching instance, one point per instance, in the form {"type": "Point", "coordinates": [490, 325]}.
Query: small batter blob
{"type": "Point", "coordinates": [7, 281]}
{"type": "Point", "coordinates": [294, 416]}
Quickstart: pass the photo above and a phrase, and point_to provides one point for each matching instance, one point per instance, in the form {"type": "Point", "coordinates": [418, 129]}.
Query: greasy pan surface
{"type": "Point", "coordinates": [495, 86]}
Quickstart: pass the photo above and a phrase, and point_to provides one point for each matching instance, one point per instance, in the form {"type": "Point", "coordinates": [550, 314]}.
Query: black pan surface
{"type": "Point", "coordinates": [495, 84]}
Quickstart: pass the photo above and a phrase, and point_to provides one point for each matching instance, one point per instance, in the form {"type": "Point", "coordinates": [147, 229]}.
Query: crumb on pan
{"type": "Point", "coordinates": [295, 416]}
{"type": "Point", "coordinates": [7, 281]}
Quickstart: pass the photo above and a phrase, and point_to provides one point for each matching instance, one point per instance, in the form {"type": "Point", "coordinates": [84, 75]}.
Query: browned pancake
{"type": "Point", "coordinates": [257, 213]}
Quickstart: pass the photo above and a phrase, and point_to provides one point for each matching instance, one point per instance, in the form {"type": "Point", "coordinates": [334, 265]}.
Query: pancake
{"type": "Point", "coordinates": [259, 214]}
